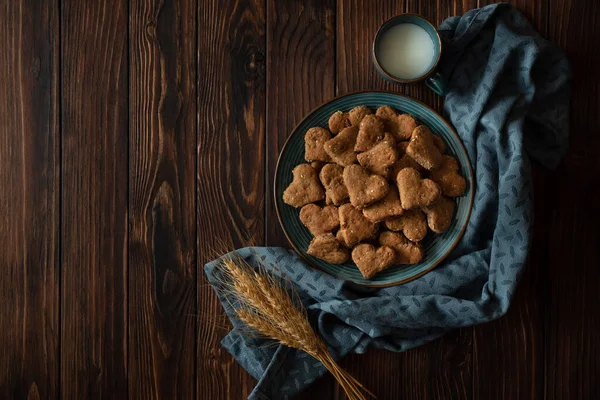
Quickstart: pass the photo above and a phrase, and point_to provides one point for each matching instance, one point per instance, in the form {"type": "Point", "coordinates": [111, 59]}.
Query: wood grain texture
{"type": "Point", "coordinates": [300, 77]}
{"type": "Point", "coordinates": [508, 353]}
{"type": "Point", "coordinates": [29, 195]}
{"type": "Point", "coordinates": [572, 317]}
{"type": "Point", "coordinates": [442, 369]}
{"type": "Point", "coordinates": [357, 24]}
{"type": "Point", "coordinates": [162, 199]}
{"type": "Point", "coordinates": [138, 140]}
{"type": "Point", "coordinates": [231, 167]}
{"type": "Point", "coordinates": [94, 199]}
{"type": "Point", "coordinates": [438, 370]}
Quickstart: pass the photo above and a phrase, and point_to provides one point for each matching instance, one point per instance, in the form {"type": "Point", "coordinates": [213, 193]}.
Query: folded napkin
{"type": "Point", "coordinates": [508, 99]}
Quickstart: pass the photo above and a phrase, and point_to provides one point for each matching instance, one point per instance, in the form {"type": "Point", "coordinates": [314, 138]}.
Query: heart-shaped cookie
{"type": "Point", "coordinates": [371, 260]}
{"type": "Point", "coordinates": [413, 223]}
{"type": "Point", "coordinates": [406, 126]}
{"type": "Point", "coordinates": [407, 252]}
{"type": "Point", "coordinates": [379, 158]}
{"type": "Point", "coordinates": [314, 139]}
{"type": "Point", "coordinates": [423, 150]}
{"type": "Point", "coordinates": [363, 187]}
{"type": "Point", "coordinates": [332, 178]}
{"type": "Point", "coordinates": [305, 187]}
{"type": "Point", "coordinates": [370, 133]}
{"type": "Point", "coordinates": [400, 126]}
{"type": "Point", "coordinates": [389, 115]}
{"type": "Point", "coordinates": [326, 247]}
{"type": "Point", "coordinates": [439, 214]}
{"type": "Point", "coordinates": [448, 178]}
{"type": "Point", "coordinates": [354, 226]}
{"type": "Point", "coordinates": [319, 220]}
{"type": "Point", "coordinates": [385, 208]}
{"type": "Point", "coordinates": [341, 147]}
{"type": "Point", "coordinates": [340, 120]}
{"type": "Point", "coordinates": [415, 191]}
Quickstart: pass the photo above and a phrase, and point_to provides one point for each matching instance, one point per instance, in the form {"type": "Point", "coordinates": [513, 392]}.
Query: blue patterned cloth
{"type": "Point", "coordinates": [508, 99]}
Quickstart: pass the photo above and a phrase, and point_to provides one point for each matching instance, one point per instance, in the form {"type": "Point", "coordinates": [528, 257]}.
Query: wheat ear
{"type": "Point", "coordinates": [264, 305]}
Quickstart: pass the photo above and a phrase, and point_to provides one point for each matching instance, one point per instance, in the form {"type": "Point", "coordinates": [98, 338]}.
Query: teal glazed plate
{"type": "Point", "coordinates": [436, 246]}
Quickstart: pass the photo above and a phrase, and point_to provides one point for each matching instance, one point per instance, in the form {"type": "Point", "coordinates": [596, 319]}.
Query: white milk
{"type": "Point", "coordinates": [406, 51]}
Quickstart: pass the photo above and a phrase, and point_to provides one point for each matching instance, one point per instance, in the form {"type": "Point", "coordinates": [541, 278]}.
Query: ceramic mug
{"type": "Point", "coordinates": [432, 78]}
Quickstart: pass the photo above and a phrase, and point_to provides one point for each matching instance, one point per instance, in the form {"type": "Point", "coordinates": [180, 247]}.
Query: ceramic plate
{"type": "Point", "coordinates": [436, 246]}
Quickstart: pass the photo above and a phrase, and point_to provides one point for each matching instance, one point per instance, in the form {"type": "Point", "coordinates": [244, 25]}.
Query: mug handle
{"type": "Point", "coordinates": [437, 83]}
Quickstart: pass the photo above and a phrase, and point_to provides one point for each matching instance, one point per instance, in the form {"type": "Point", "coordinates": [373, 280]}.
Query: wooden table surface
{"type": "Point", "coordinates": [136, 136]}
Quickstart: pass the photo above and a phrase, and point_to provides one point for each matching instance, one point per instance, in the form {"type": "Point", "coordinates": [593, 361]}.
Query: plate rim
{"type": "Point", "coordinates": [374, 285]}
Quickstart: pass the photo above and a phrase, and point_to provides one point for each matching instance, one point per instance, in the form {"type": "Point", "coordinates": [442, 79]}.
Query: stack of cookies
{"type": "Point", "coordinates": [376, 183]}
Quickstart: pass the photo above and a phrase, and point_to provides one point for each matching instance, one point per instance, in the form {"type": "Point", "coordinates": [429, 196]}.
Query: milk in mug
{"type": "Point", "coordinates": [406, 51]}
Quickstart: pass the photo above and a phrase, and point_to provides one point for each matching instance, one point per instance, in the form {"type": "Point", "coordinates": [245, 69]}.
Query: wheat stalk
{"type": "Point", "coordinates": [263, 304]}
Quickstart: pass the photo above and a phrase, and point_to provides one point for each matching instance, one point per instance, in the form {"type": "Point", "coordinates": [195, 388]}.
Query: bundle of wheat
{"type": "Point", "coordinates": [269, 309]}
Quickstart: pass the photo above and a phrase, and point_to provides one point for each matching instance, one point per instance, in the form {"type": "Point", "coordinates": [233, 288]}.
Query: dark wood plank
{"type": "Point", "coordinates": [357, 23]}
{"type": "Point", "coordinates": [29, 200]}
{"type": "Point", "coordinates": [231, 167]}
{"type": "Point", "coordinates": [438, 370]}
{"type": "Point", "coordinates": [508, 353]}
{"type": "Point", "coordinates": [94, 199]}
{"type": "Point", "coordinates": [162, 199]}
{"type": "Point", "coordinates": [572, 313]}
{"type": "Point", "coordinates": [300, 77]}
{"type": "Point", "coordinates": [441, 369]}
